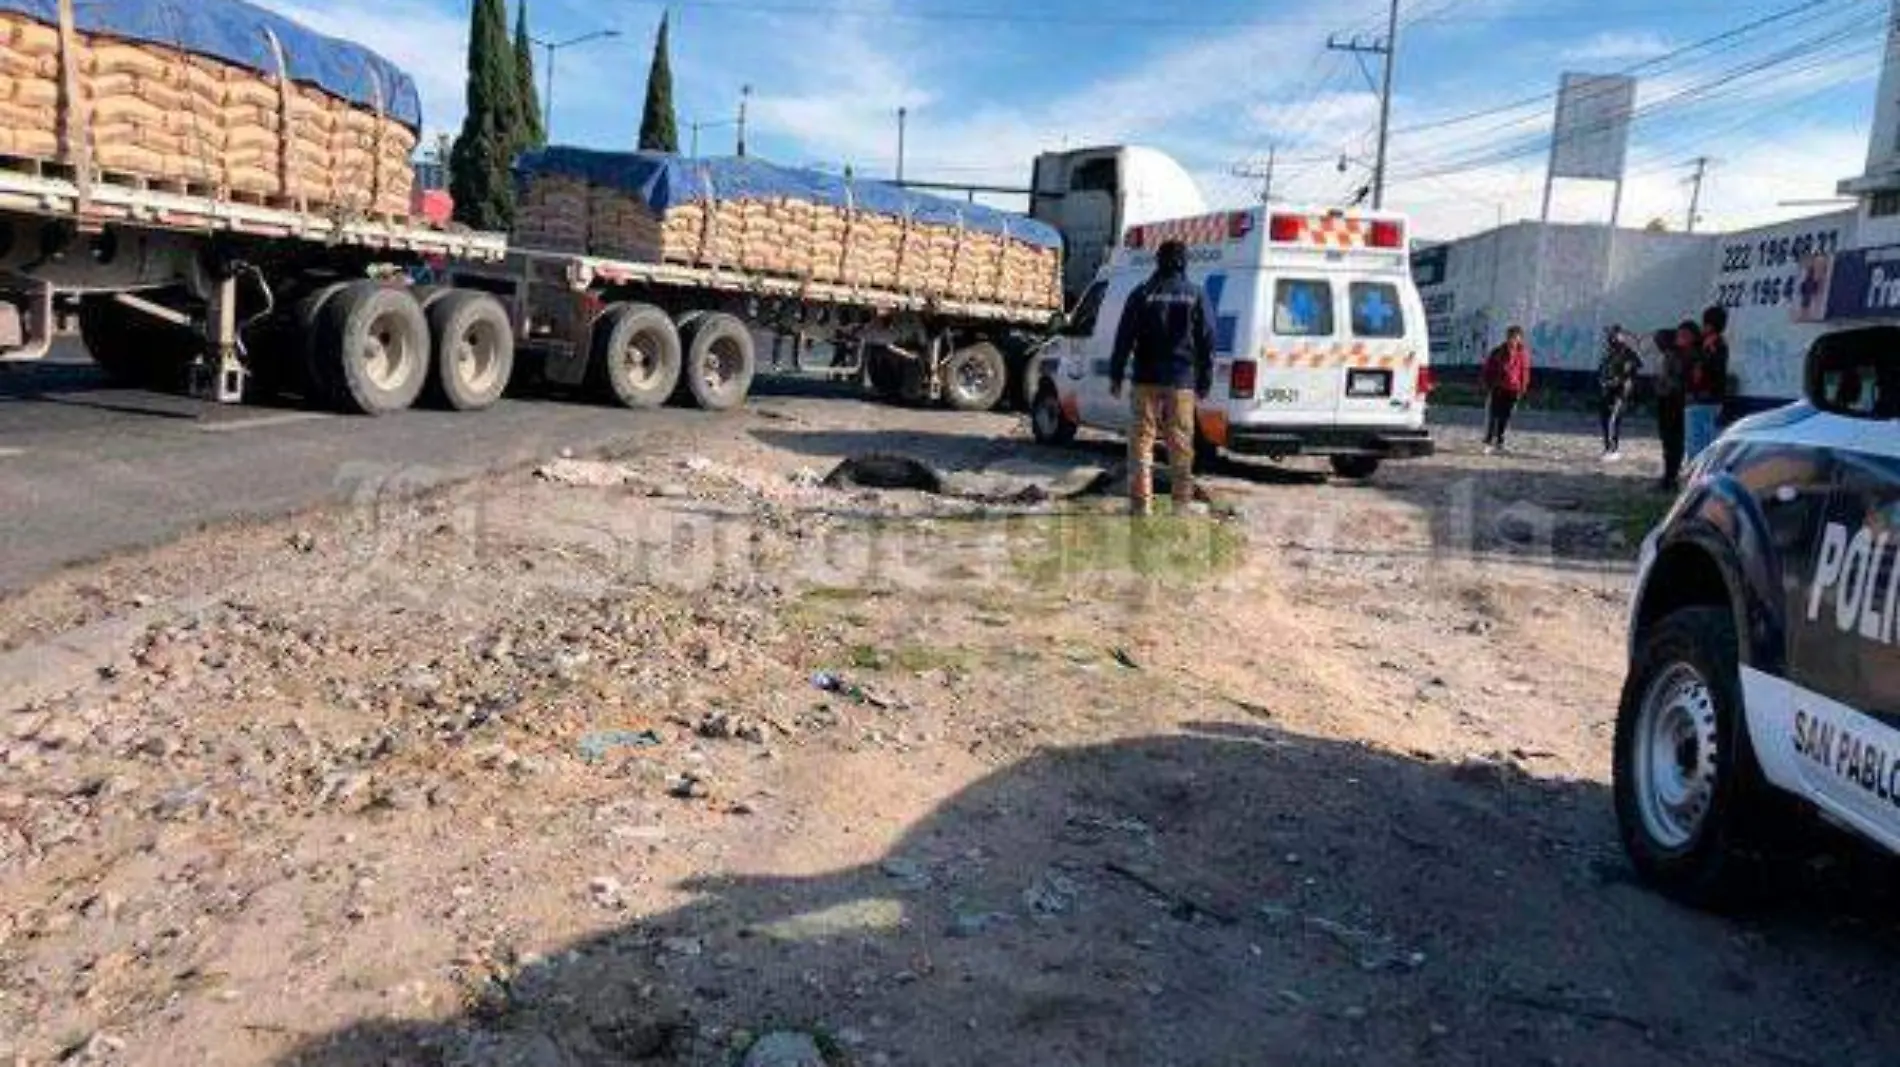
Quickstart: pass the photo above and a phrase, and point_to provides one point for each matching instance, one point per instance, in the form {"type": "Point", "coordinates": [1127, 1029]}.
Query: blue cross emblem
{"type": "Point", "coordinates": [1375, 311]}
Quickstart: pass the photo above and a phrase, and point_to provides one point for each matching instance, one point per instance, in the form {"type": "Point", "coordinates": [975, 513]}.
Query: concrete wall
{"type": "Point", "coordinates": [1564, 284]}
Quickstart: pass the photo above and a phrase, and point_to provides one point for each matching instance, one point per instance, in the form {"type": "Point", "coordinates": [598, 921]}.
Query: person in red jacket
{"type": "Point", "coordinates": [1505, 377]}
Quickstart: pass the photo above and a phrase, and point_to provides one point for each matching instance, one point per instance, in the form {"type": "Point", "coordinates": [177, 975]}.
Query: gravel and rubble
{"type": "Point", "coordinates": [686, 757]}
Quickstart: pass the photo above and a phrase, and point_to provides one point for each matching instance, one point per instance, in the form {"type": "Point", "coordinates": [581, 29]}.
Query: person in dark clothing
{"type": "Point", "coordinates": [1167, 330]}
{"type": "Point", "coordinates": [1506, 377]}
{"type": "Point", "coordinates": [1707, 386]}
{"type": "Point", "coordinates": [1616, 379]}
{"type": "Point", "coordinates": [1677, 348]}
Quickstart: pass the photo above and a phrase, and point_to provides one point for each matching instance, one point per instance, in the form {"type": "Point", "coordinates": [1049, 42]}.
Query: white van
{"type": "Point", "coordinates": [1321, 347]}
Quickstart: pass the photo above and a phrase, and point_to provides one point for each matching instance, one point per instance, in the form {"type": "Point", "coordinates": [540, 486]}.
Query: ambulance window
{"type": "Point", "coordinates": [1303, 308]}
{"type": "Point", "coordinates": [1376, 311]}
{"type": "Point", "coordinates": [1087, 310]}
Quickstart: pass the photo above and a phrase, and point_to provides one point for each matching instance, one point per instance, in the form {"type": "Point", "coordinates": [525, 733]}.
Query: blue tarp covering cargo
{"type": "Point", "coordinates": [233, 31]}
{"type": "Point", "coordinates": [665, 181]}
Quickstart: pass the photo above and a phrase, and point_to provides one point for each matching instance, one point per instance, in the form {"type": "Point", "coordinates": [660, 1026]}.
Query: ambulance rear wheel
{"type": "Point", "coordinates": [1358, 468]}
{"type": "Point", "coordinates": [1682, 765]}
{"type": "Point", "coordinates": [1047, 421]}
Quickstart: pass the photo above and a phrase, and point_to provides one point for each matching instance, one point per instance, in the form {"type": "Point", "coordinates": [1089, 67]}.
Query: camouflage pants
{"type": "Point", "coordinates": [1157, 407]}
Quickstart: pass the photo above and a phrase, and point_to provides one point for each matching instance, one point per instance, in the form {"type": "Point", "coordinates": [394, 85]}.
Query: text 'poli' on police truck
{"type": "Point", "coordinates": [1321, 346]}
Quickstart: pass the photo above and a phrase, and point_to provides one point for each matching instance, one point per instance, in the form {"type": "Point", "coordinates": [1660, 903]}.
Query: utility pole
{"type": "Point", "coordinates": [1701, 164]}
{"type": "Point", "coordinates": [903, 113]}
{"type": "Point", "coordinates": [1263, 175]}
{"type": "Point", "coordinates": [1388, 49]}
{"type": "Point", "coordinates": [745, 95]}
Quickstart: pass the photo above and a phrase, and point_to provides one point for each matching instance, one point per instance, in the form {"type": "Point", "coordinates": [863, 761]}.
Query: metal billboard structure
{"type": "Point", "coordinates": [1590, 139]}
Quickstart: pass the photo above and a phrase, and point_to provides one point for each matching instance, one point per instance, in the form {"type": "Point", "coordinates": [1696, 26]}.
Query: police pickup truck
{"type": "Point", "coordinates": [1764, 675]}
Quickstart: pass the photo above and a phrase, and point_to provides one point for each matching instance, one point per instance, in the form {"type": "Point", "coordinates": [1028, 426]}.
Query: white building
{"type": "Point", "coordinates": [1782, 284]}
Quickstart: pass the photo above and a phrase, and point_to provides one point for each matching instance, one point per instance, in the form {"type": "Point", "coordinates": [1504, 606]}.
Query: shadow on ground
{"type": "Point", "coordinates": [1228, 895]}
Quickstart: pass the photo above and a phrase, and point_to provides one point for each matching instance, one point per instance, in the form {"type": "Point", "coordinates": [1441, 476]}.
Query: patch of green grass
{"type": "Point", "coordinates": [1167, 547]}
{"type": "Point", "coordinates": [911, 657]}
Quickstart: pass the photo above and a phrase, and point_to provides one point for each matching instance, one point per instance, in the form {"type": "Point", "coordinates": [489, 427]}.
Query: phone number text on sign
{"type": "Point", "coordinates": [1774, 252]}
{"type": "Point", "coordinates": [1778, 263]}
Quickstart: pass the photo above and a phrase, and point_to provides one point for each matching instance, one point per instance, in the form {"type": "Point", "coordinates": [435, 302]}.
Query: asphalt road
{"type": "Point", "coordinates": [88, 470]}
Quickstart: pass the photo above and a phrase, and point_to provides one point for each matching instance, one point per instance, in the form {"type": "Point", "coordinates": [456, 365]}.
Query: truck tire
{"type": "Point", "coordinates": [1683, 770]}
{"type": "Point", "coordinates": [636, 358]}
{"type": "Point", "coordinates": [975, 377]}
{"type": "Point", "coordinates": [1047, 421]}
{"type": "Point", "coordinates": [1356, 467]}
{"type": "Point", "coordinates": [720, 361]}
{"type": "Point", "coordinates": [1025, 375]}
{"type": "Point", "coordinates": [881, 373]}
{"type": "Point", "coordinates": [474, 350]}
{"type": "Point", "coordinates": [372, 348]}
{"type": "Point", "coordinates": [134, 349]}
{"type": "Point", "coordinates": [311, 369]}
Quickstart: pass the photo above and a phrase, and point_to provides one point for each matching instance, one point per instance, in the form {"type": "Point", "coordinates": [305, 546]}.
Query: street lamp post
{"type": "Point", "coordinates": [547, 103]}
{"type": "Point", "coordinates": [745, 96]}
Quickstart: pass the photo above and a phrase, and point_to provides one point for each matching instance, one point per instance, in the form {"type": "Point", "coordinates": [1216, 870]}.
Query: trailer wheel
{"type": "Point", "coordinates": [134, 349]}
{"type": "Point", "coordinates": [474, 350]}
{"type": "Point", "coordinates": [306, 319]}
{"type": "Point", "coordinates": [372, 344]}
{"type": "Point", "coordinates": [720, 360]}
{"type": "Point", "coordinates": [882, 373]}
{"type": "Point", "coordinates": [636, 359]}
{"type": "Point", "coordinates": [975, 378]}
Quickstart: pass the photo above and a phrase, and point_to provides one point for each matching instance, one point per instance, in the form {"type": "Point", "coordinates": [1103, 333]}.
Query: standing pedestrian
{"type": "Point", "coordinates": [1707, 388]}
{"type": "Point", "coordinates": [1167, 327]}
{"type": "Point", "coordinates": [1677, 347]}
{"type": "Point", "coordinates": [1506, 377]}
{"type": "Point", "coordinates": [1616, 379]}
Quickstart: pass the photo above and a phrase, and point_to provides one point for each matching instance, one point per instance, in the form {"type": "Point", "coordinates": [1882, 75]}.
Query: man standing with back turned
{"type": "Point", "coordinates": [1168, 327]}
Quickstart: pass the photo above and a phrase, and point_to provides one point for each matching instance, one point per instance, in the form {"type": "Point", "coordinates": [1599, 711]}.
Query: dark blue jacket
{"type": "Point", "coordinates": [1168, 327]}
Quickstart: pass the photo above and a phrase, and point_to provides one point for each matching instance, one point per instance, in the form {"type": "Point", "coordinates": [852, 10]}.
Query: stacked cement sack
{"type": "Point", "coordinates": [148, 110]}
{"type": "Point", "coordinates": [750, 216]}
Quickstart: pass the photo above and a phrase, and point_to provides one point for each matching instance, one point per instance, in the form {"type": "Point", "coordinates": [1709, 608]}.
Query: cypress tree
{"type": "Point", "coordinates": [479, 166]}
{"type": "Point", "coordinates": [659, 132]}
{"type": "Point", "coordinates": [533, 133]}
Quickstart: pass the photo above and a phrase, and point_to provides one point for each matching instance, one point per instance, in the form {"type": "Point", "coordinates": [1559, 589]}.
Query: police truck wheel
{"type": "Point", "coordinates": [1355, 467]}
{"type": "Point", "coordinates": [636, 360]}
{"type": "Point", "coordinates": [1682, 762]}
{"type": "Point", "coordinates": [474, 350]}
{"type": "Point", "coordinates": [1046, 420]}
{"type": "Point", "coordinates": [373, 343]}
{"type": "Point", "coordinates": [720, 361]}
{"type": "Point", "coordinates": [975, 378]}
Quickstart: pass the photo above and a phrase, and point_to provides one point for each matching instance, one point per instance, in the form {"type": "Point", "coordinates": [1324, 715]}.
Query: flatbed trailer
{"type": "Point", "coordinates": [625, 325]}
{"type": "Point", "coordinates": [237, 297]}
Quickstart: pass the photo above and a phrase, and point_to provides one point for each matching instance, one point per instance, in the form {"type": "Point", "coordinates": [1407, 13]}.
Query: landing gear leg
{"type": "Point", "coordinates": [218, 374]}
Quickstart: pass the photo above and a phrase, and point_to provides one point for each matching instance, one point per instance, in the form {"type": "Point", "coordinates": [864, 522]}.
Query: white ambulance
{"type": "Point", "coordinates": [1321, 347]}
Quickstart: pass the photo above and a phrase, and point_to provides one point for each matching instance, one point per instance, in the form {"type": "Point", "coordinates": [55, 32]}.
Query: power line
{"type": "Point", "coordinates": [1538, 143]}
{"type": "Point", "coordinates": [1020, 15]}
{"type": "Point", "coordinates": [1634, 68]}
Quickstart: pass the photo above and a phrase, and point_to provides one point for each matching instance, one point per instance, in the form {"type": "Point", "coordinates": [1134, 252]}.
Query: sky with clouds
{"type": "Point", "coordinates": [1783, 107]}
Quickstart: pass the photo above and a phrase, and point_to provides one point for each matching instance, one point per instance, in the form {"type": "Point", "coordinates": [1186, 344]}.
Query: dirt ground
{"type": "Point", "coordinates": [637, 758]}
